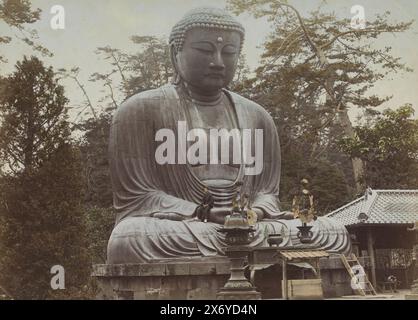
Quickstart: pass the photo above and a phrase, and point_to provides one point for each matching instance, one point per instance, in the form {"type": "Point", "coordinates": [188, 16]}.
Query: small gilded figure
{"type": "Point", "coordinates": [251, 216]}
{"type": "Point", "coordinates": [303, 204]}
{"type": "Point", "coordinates": [244, 203]}
{"type": "Point", "coordinates": [236, 202]}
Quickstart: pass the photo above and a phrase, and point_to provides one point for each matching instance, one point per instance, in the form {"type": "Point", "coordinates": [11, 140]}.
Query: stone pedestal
{"type": "Point", "coordinates": [206, 279]}
{"type": "Point", "coordinates": [172, 280]}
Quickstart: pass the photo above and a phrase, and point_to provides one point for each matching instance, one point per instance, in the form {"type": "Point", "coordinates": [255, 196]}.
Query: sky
{"type": "Point", "coordinates": [94, 23]}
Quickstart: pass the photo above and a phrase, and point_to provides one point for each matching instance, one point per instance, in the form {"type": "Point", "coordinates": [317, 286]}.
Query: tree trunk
{"type": "Point", "coordinates": [358, 166]}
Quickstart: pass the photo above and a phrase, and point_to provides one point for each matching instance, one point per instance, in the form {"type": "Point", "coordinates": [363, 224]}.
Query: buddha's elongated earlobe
{"type": "Point", "coordinates": [173, 56]}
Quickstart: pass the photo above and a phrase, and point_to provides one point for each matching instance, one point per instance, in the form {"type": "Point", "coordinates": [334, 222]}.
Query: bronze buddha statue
{"type": "Point", "coordinates": [156, 199]}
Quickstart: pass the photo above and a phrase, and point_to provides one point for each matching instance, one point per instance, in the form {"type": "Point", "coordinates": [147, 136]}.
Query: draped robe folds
{"type": "Point", "coordinates": [154, 202]}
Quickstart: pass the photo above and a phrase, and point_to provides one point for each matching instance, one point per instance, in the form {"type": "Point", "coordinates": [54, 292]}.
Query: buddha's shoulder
{"type": "Point", "coordinates": [250, 106]}
{"type": "Point", "coordinates": [145, 102]}
{"type": "Point", "coordinates": [141, 99]}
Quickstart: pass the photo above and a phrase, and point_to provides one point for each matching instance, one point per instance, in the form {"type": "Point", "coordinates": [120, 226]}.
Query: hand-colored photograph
{"type": "Point", "coordinates": [218, 150]}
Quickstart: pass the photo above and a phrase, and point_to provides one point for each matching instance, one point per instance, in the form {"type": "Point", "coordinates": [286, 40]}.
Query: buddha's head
{"type": "Point", "coordinates": [205, 47]}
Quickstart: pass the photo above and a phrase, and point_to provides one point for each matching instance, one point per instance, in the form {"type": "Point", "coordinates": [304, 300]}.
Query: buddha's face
{"type": "Point", "coordinates": [209, 58]}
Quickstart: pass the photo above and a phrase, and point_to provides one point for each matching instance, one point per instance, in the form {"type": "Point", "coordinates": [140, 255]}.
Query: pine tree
{"type": "Point", "coordinates": [42, 220]}
{"type": "Point", "coordinates": [314, 69]}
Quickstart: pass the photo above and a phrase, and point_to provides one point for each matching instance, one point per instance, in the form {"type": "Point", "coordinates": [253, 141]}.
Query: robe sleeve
{"type": "Point", "coordinates": [141, 187]}
{"type": "Point", "coordinates": [266, 184]}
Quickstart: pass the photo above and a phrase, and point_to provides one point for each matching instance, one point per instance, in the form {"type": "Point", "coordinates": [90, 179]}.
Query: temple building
{"type": "Point", "coordinates": [378, 223]}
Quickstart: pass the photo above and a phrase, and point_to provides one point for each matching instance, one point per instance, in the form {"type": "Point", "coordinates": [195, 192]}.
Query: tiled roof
{"type": "Point", "coordinates": [380, 207]}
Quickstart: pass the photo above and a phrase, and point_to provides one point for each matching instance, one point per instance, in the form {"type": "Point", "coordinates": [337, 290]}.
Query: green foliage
{"type": "Point", "coordinates": [100, 223]}
{"type": "Point", "coordinates": [41, 215]}
{"type": "Point", "coordinates": [388, 143]}
{"type": "Point", "coordinates": [44, 226]}
{"type": "Point", "coordinates": [330, 189]}
{"type": "Point", "coordinates": [94, 149]}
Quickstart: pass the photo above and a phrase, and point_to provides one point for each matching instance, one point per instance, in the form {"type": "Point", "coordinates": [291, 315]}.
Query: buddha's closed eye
{"type": "Point", "coordinates": [229, 49]}
{"type": "Point", "coordinates": [203, 47]}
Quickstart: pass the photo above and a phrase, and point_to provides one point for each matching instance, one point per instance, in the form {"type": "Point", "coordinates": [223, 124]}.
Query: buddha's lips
{"type": "Point", "coordinates": [215, 75]}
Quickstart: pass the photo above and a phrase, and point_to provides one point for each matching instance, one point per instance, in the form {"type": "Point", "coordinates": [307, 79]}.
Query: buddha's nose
{"type": "Point", "coordinates": [217, 63]}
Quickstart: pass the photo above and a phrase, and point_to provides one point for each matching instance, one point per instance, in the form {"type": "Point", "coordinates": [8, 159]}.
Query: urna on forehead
{"type": "Point", "coordinates": [204, 17]}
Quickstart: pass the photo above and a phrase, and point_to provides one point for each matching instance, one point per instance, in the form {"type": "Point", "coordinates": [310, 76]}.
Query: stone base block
{"type": "Point", "coordinates": [238, 295]}
{"type": "Point", "coordinates": [162, 281]}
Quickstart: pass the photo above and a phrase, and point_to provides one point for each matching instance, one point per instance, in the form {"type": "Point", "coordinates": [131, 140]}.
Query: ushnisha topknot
{"type": "Point", "coordinates": [204, 17]}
